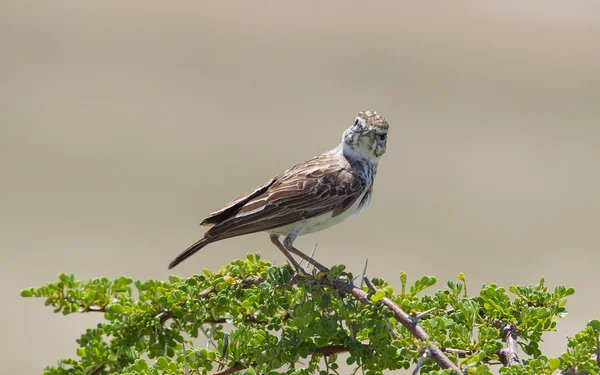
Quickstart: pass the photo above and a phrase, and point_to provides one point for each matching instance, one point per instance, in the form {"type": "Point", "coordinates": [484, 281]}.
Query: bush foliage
{"type": "Point", "coordinates": [262, 319]}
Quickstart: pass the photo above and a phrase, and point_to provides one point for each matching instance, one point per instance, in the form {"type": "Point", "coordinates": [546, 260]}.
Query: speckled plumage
{"type": "Point", "coordinates": [308, 197]}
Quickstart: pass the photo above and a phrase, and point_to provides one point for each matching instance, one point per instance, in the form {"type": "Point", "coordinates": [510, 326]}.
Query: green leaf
{"type": "Point", "coordinates": [595, 324]}
{"type": "Point", "coordinates": [276, 363]}
{"type": "Point", "coordinates": [554, 363]}
{"type": "Point", "coordinates": [378, 296]}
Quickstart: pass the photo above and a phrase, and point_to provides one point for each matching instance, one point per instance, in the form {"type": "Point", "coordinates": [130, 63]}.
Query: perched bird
{"type": "Point", "coordinates": [308, 197]}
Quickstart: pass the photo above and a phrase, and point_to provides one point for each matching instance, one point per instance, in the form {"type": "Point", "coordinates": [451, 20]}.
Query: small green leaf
{"type": "Point", "coordinates": [554, 363]}
{"type": "Point", "coordinates": [378, 296]}
{"type": "Point", "coordinates": [595, 324]}
{"type": "Point", "coordinates": [276, 363]}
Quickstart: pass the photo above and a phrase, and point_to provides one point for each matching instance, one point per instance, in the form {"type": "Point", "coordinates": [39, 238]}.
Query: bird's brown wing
{"type": "Point", "coordinates": [309, 189]}
{"type": "Point", "coordinates": [234, 206]}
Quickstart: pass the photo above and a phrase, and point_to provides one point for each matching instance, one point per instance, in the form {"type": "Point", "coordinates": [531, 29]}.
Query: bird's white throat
{"type": "Point", "coordinates": [360, 151]}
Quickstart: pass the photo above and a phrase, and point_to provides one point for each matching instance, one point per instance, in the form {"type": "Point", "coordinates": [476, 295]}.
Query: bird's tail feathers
{"type": "Point", "coordinates": [190, 251]}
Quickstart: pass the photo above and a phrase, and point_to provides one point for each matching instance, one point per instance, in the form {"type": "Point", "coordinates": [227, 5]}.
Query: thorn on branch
{"type": "Point", "coordinates": [225, 345]}
{"type": "Point", "coordinates": [390, 330]}
{"type": "Point", "coordinates": [417, 317]}
{"type": "Point", "coordinates": [164, 316]}
{"type": "Point", "coordinates": [425, 355]}
{"type": "Point", "coordinates": [312, 255]}
{"type": "Point", "coordinates": [364, 274]}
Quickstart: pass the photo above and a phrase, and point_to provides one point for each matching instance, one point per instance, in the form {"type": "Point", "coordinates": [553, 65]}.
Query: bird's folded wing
{"type": "Point", "coordinates": [235, 205]}
{"type": "Point", "coordinates": [297, 194]}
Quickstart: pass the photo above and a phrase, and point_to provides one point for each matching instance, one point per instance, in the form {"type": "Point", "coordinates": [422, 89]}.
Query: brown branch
{"type": "Point", "coordinates": [461, 353]}
{"type": "Point", "coordinates": [323, 350]}
{"type": "Point", "coordinates": [235, 368]}
{"type": "Point", "coordinates": [370, 285]}
{"type": "Point", "coordinates": [508, 355]}
{"type": "Point", "coordinates": [416, 330]}
{"type": "Point", "coordinates": [99, 369]}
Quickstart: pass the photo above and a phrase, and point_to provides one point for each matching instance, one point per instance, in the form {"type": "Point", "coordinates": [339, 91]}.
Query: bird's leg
{"type": "Point", "coordinates": [276, 242]}
{"type": "Point", "coordinates": [288, 243]}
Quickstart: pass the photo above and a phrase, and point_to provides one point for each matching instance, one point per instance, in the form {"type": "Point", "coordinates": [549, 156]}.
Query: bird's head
{"type": "Point", "coordinates": [366, 138]}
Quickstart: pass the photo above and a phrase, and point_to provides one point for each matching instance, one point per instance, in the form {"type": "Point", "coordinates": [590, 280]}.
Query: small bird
{"type": "Point", "coordinates": [309, 197]}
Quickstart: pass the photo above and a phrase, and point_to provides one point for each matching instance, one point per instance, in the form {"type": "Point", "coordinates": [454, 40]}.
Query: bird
{"type": "Point", "coordinates": [310, 196]}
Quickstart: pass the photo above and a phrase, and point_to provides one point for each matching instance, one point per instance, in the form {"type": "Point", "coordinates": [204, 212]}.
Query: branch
{"type": "Point", "coordinates": [426, 354]}
{"type": "Point", "coordinates": [509, 354]}
{"type": "Point", "coordinates": [323, 350]}
{"type": "Point", "coordinates": [416, 330]}
{"type": "Point", "coordinates": [460, 353]}
{"type": "Point", "coordinates": [235, 368]}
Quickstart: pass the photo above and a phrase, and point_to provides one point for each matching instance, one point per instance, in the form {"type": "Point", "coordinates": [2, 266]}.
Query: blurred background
{"type": "Point", "coordinates": [123, 124]}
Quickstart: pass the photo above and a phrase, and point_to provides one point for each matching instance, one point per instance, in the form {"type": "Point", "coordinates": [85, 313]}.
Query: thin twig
{"type": "Point", "coordinates": [370, 285]}
{"type": "Point", "coordinates": [208, 335]}
{"type": "Point", "coordinates": [312, 256]}
{"type": "Point", "coordinates": [185, 364]}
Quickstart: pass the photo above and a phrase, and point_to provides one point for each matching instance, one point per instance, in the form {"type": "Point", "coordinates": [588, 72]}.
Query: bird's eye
{"type": "Point", "coordinates": [382, 137]}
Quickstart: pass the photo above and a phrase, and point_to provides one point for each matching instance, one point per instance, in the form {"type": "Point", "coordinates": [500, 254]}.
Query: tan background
{"type": "Point", "coordinates": [122, 124]}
